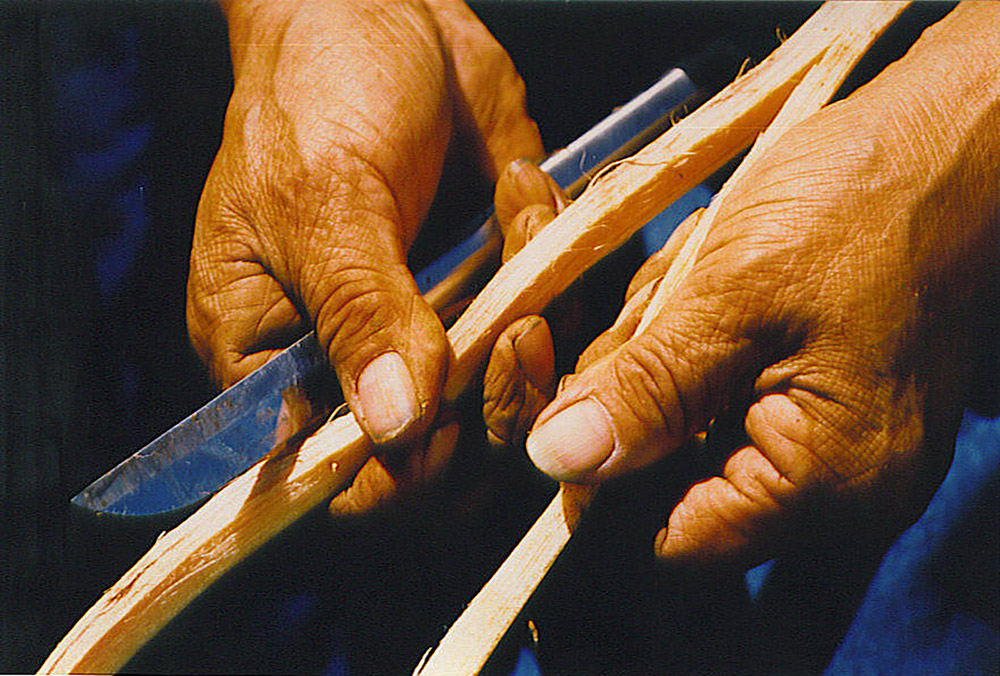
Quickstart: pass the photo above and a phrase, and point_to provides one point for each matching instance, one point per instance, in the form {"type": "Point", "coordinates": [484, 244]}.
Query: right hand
{"type": "Point", "coordinates": [334, 140]}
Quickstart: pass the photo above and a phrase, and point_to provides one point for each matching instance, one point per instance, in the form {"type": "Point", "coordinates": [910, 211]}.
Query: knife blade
{"type": "Point", "coordinates": [221, 440]}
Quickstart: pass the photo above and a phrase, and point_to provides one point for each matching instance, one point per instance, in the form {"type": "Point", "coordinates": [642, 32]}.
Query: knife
{"type": "Point", "coordinates": [225, 437]}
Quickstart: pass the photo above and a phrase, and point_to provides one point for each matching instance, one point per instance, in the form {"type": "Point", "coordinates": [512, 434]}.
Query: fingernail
{"type": "Point", "coordinates": [537, 217]}
{"type": "Point", "coordinates": [517, 166]}
{"type": "Point", "coordinates": [536, 187]}
{"type": "Point", "coordinates": [515, 170]}
{"type": "Point", "coordinates": [530, 183]}
{"type": "Point", "coordinates": [387, 396]}
{"type": "Point", "coordinates": [659, 542]}
{"type": "Point", "coordinates": [574, 442]}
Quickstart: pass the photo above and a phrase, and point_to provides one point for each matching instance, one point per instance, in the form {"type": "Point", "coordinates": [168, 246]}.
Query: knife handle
{"type": "Point", "coordinates": [455, 276]}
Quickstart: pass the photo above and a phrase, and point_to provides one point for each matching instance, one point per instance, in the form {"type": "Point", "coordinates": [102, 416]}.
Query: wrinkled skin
{"type": "Point", "coordinates": [835, 310]}
{"type": "Point", "coordinates": [520, 378]}
{"type": "Point", "coordinates": [342, 116]}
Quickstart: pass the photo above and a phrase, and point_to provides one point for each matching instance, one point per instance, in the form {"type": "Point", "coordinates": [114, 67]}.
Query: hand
{"type": "Point", "coordinates": [339, 124]}
{"type": "Point", "coordinates": [520, 378]}
{"type": "Point", "coordinates": [833, 309]}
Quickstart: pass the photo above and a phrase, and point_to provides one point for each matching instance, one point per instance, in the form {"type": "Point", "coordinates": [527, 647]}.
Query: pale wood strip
{"type": "Point", "coordinates": [475, 634]}
{"type": "Point", "coordinates": [818, 86]}
{"type": "Point", "coordinates": [624, 199]}
{"type": "Point", "coordinates": [236, 521]}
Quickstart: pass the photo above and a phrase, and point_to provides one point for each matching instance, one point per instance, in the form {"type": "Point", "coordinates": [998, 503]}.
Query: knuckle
{"type": "Point", "coordinates": [353, 310]}
{"type": "Point", "coordinates": [702, 526]}
{"type": "Point", "coordinates": [761, 485]}
{"type": "Point", "coordinates": [511, 401]}
{"type": "Point", "coordinates": [566, 382]}
{"type": "Point", "coordinates": [503, 390]}
{"type": "Point", "coordinates": [502, 411]}
{"type": "Point", "coordinates": [645, 382]}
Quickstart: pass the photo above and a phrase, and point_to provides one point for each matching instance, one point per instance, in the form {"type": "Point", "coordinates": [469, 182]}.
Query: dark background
{"type": "Point", "coordinates": [111, 114]}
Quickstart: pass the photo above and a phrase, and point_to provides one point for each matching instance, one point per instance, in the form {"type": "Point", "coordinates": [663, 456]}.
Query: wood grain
{"type": "Point", "coordinates": [246, 513]}
{"type": "Point", "coordinates": [819, 85]}
{"type": "Point", "coordinates": [475, 634]}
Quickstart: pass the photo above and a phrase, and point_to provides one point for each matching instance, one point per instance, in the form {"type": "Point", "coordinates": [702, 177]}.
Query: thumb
{"type": "Point", "coordinates": [644, 399]}
{"type": "Point", "coordinates": [385, 342]}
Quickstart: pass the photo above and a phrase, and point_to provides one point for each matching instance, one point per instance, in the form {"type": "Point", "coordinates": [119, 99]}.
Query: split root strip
{"type": "Point", "coordinates": [471, 640]}
{"type": "Point", "coordinates": [819, 85]}
{"type": "Point", "coordinates": [242, 516]}
{"type": "Point", "coordinates": [276, 491]}
{"type": "Point", "coordinates": [611, 209]}
{"type": "Point", "coordinates": [475, 634]}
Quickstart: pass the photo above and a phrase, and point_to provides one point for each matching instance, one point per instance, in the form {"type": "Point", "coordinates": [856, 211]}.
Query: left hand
{"type": "Point", "coordinates": [834, 308]}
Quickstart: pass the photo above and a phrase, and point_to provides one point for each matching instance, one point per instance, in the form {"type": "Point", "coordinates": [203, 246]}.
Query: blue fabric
{"type": "Point", "coordinates": [526, 665]}
{"type": "Point", "coordinates": [927, 606]}
{"type": "Point", "coordinates": [931, 607]}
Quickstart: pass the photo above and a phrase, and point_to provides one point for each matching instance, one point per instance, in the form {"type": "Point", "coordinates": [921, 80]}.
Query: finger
{"type": "Point", "coordinates": [520, 379]}
{"type": "Point", "coordinates": [623, 328]}
{"type": "Point", "coordinates": [336, 177]}
{"type": "Point", "coordinates": [260, 321]}
{"type": "Point", "coordinates": [386, 344]}
{"type": "Point", "coordinates": [347, 266]}
{"type": "Point", "coordinates": [490, 95]}
{"type": "Point", "coordinates": [640, 292]}
{"type": "Point", "coordinates": [658, 264]}
{"type": "Point", "coordinates": [384, 480]}
{"type": "Point", "coordinates": [811, 461]}
{"type": "Point", "coordinates": [821, 436]}
{"type": "Point", "coordinates": [522, 184]}
{"type": "Point", "coordinates": [528, 223]}
{"type": "Point", "coordinates": [734, 519]}
{"type": "Point", "coordinates": [644, 399]}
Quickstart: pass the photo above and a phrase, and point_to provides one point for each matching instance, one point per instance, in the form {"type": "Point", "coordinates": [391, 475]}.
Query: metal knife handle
{"type": "Point", "coordinates": [620, 134]}
{"type": "Point", "coordinates": [464, 269]}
